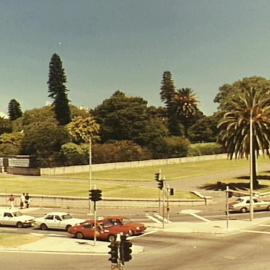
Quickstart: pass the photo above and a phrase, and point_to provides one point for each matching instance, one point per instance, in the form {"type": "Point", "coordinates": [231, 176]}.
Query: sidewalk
{"type": "Point", "coordinates": [221, 227]}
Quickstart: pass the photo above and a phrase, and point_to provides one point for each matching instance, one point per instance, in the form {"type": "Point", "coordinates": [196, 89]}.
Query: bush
{"type": "Point", "coordinates": [119, 152]}
{"type": "Point", "coordinates": [201, 149]}
{"type": "Point", "coordinates": [172, 147]}
{"type": "Point", "coordinates": [73, 154]}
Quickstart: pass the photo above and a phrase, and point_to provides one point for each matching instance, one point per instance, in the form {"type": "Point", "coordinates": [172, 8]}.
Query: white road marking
{"type": "Point", "coordinates": [161, 218]}
{"type": "Point", "coordinates": [259, 232]}
{"type": "Point", "coordinates": [199, 217]}
{"type": "Point", "coordinates": [138, 236]}
{"type": "Point", "coordinates": [153, 219]}
{"type": "Point", "coordinates": [193, 212]}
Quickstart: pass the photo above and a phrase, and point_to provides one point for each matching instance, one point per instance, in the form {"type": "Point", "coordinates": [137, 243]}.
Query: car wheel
{"type": "Point", "coordinates": [68, 227]}
{"type": "Point", "coordinates": [243, 210]}
{"type": "Point", "coordinates": [19, 225]}
{"type": "Point", "coordinates": [268, 208]}
{"type": "Point", "coordinates": [43, 227]}
{"type": "Point", "coordinates": [79, 235]}
{"type": "Point", "coordinates": [130, 232]}
{"type": "Point", "coordinates": [111, 238]}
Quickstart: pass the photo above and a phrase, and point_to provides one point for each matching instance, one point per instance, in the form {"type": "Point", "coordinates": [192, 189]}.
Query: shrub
{"type": "Point", "coordinates": [72, 154]}
{"type": "Point", "coordinates": [119, 151]}
{"type": "Point", "coordinates": [201, 149]}
{"type": "Point", "coordinates": [173, 147]}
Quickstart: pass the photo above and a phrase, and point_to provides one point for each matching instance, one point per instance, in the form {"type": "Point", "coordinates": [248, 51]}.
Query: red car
{"type": "Point", "coordinates": [123, 224]}
{"type": "Point", "coordinates": [86, 231]}
{"type": "Point", "coordinates": [107, 229]}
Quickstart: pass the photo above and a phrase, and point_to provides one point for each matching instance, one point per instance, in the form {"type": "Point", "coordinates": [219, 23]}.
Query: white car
{"type": "Point", "coordinates": [242, 204]}
{"type": "Point", "coordinates": [57, 220]}
{"type": "Point", "coordinates": [13, 217]}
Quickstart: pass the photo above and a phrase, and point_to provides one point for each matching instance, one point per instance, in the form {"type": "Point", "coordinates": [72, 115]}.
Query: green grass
{"type": "Point", "coordinates": [12, 240]}
{"type": "Point", "coordinates": [128, 183]}
{"type": "Point", "coordinates": [172, 171]}
{"type": "Point", "coordinates": [79, 188]}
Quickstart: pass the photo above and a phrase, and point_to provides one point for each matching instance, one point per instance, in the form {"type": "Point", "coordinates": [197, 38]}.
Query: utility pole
{"type": "Point", "coordinates": [90, 170]}
{"type": "Point", "coordinates": [227, 207]}
{"type": "Point", "coordinates": [251, 165]}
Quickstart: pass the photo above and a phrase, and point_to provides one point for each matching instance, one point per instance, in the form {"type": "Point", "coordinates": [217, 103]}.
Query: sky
{"type": "Point", "coordinates": [110, 45]}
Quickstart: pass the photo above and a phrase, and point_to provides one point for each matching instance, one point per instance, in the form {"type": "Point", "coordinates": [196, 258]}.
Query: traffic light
{"type": "Point", "coordinates": [95, 195]}
{"type": "Point", "coordinates": [160, 184]}
{"type": "Point", "coordinates": [113, 252]}
{"type": "Point", "coordinates": [171, 191]}
{"type": "Point", "coordinates": [125, 249]}
{"type": "Point", "coordinates": [157, 176]}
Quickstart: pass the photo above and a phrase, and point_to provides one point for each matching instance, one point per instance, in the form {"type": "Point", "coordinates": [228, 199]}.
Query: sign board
{"type": "Point", "coordinates": [19, 162]}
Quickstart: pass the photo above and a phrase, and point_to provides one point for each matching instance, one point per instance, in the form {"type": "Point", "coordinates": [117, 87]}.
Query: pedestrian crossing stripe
{"type": "Point", "coordinates": [251, 231]}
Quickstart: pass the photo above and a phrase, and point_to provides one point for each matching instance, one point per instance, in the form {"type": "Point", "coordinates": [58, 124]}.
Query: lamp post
{"type": "Point", "coordinates": [90, 169]}
{"type": "Point", "coordinates": [251, 164]}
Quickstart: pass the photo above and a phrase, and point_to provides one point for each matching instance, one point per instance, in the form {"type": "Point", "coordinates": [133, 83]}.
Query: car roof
{"type": "Point", "coordinates": [9, 209]}
{"type": "Point", "coordinates": [57, 213]}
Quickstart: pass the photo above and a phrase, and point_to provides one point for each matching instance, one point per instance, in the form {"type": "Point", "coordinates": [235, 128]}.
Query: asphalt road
{"type": "Point", "coordinates": [164, 251]}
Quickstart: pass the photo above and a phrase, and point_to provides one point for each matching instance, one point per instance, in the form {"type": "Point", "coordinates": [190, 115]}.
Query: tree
{"type": "Point", "coordinates": [14, 109]}
{"type": "Point", "coordinates": [5, 125]}
{"type": "Point", "coordinates": [185, 103]}
{"type": "Point", "coordinates": [58, 90]}
{"type": "Point", "coordinates": [44, 142]}
{"type": "Point", "coordinates": [167, 94]}
{"type": "Point", "coordinates": [82, 129]}
{"type": "Point", "coordinates": [250, 102]}
{"type": "Point", "coordinates": [228, 91]}
{"type": "Point", "coordinates": [121, 117]}
{"type": "Point", "coordinates": [204, 130]}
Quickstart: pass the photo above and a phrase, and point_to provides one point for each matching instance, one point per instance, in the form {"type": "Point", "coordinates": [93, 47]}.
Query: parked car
{"type": "Point", "coordinates": [13, 217]}
{"type": "Point", "coordinates": [57, 220]}
{"type": "Point", "coordinates": [86, 231]}
{"type": "Point", "coordinates": [125, 225]}
{"type": "Point", "coordinates": [242, 204]}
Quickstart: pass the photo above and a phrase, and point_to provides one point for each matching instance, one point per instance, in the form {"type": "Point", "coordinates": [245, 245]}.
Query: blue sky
{"type": "Point", "coordinates": [106, 45]}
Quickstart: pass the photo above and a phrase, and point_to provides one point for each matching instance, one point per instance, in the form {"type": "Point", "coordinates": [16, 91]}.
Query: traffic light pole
{"type": "Point", "coordinates": [95, 222]}
{"type": "Point", "coordinates": [90, 171]}
{"type": "Point", "coordinates": [163, 208]}
{"type": "Point", "coordinates": [227, 207]}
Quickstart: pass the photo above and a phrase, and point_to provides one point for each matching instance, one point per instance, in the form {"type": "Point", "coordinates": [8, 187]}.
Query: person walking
{"type": "Point", "coordinates": [11, 200]}
{"type": "Point", "coordinates": [22, 201]}
{"type": "Point", "coordinates": [27, 200]}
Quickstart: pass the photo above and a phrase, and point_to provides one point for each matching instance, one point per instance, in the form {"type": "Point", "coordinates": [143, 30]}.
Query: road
{"type": "Point", "coordinates": [165, 251]}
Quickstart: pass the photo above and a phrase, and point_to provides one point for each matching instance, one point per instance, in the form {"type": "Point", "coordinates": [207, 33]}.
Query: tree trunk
{"type": "Point", "coordinates": [254, 170]}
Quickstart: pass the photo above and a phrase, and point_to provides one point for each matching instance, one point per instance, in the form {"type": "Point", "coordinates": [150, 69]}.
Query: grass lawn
{"type": "Point", "coordinates": [12, 240]}
{"type": "Point", "coordinates": [71, 187]}
{"type": "Point", "coordinates": [172, 171]}
{"type": "Point", "coordinates": [125, 183]}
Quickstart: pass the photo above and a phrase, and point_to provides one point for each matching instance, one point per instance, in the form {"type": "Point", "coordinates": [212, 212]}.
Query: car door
{"type": "Point", "coordinates": [256, 204]}
{"type": "Point", "coordinates": [49, 221]}
{"type": "Point", "coordinates": [58, 222]}
{"type": "Point", "coordinates": [7, 219]}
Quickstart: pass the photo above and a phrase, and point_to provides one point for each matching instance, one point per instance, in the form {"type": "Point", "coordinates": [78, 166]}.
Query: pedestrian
{"type": "Point", "coordinates": [11, 200]}
{"type": "Point", "coordinates": [27, 200]}
{"type": "Point", "coordinates": [22, 201]}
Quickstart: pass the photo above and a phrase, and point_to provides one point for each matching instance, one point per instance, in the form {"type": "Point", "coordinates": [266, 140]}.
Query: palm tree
{"type": "Point", "coordinates": [185, 102]}
{"type": "Point", "coordinates": [249, 104]}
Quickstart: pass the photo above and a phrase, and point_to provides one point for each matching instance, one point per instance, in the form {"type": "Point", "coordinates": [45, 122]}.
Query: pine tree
{"type": "Point", "coordinates": [58, 90]}
{"type": "Point", "coordinates": [14, 109]}
{"type": "Point", "coordinates": [167, 94]}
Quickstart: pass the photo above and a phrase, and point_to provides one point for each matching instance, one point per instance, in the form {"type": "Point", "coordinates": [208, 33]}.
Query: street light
{"type": "Point", "coordinates": [251, 164]}
{"type": "Point", "coordinates": [90, 170]}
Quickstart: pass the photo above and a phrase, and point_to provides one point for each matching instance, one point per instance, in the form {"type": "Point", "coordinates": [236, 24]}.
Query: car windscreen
{"type": "Point", "coordinates": [67, 216]}
{"type": "Point", "coordinates": [17, 214]}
